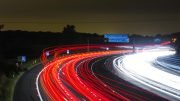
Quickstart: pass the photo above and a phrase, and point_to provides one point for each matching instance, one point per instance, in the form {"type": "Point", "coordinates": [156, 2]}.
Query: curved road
{"type": "Point", "coordinates": [140, 71]}
{"type": "Point", "coordinates": [82, 76]}
{"type": "Point", "coordinates": [103, 70]}
{"type": "Point", "coordinates": [25, 89]}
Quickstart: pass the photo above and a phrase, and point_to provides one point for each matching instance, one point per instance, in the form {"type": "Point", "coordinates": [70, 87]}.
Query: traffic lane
{"type": "Point", "coordinates": [25, 89]}
{"type": "Point", "coordinates": [139, 71]}
{"type": "Point", "coordinates": [103, 69]}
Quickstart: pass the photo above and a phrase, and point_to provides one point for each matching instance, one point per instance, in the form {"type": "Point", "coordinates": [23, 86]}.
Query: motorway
{"type": "Point", "coordinates": [103, 69]}
{"type": "Point", "coordinates": [73, 78]}
{"type": "Point", "coordinates": [140, 70]}
{"type": "Point", "coordinates": [169, 63]}
{"type": "Point", "coordinates": [84, 76]}
{"type": "Point", "coordinates": [62, 79]}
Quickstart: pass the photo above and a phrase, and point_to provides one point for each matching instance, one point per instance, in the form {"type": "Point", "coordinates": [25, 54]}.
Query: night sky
{"type": "Point", "coordinates": [94, 16]}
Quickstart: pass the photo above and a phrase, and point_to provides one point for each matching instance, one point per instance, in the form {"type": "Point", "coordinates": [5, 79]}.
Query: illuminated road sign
{"type": "Point", "coordinates": [22, 58]}
{"type": "Point", "coordinates": [117, 37]}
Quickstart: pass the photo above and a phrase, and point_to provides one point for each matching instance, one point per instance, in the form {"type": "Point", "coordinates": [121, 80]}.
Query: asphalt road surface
{"type": "Point", "coordinates": [25, 89]}
{"type": "Point", "coordinates": [104, 67]}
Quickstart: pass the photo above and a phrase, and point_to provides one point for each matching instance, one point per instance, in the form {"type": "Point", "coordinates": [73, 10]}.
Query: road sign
{"type": "Point", "coordinates": [22, 58]}
{"type": "Point", "coordinates": [119, 40]}
{"type": "Point", "coordinates": [117, 37]}
{"type": "Point", "coordinates": [67, 51]}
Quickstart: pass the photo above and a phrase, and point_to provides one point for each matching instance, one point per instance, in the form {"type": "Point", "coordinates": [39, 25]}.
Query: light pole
{"type": "Point", "coordinates": [133, 40]}
{"type": "Point", "coordinates": [88, 44]}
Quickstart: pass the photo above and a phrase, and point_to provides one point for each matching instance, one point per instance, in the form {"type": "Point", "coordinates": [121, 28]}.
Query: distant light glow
{"type": "Point", "coordinates": [174, 40]}
{"type": "Point", "coordinates": [47, 53]}
{"type": "Point", "coordinates": [67, 51]}
{"type": "Point", "coordinates": [107, 48]}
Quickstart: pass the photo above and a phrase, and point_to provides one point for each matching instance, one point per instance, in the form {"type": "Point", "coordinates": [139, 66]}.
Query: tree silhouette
{"type": "Point", "coordinates": [177, 43]}
{"type": "Point", "coordinates": [69, 29]}
{"type": "Point", "coordinates": [1, 27]}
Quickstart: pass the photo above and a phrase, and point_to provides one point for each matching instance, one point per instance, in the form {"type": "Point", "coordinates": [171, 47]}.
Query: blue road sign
{"type": "Point", "coordinates": [119, 40]}
{"type": "Point", "coordinates": [117, 37]}
{"type": "Point", "coordinates": [23, 58]}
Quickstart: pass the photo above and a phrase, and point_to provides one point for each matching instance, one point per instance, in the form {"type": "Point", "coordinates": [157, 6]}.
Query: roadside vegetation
{"type": "Point", "coordinates": [9, 76]}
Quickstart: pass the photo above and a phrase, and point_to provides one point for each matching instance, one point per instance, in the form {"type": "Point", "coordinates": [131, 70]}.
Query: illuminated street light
{"type": "Point", "coordinates": [174, 40]}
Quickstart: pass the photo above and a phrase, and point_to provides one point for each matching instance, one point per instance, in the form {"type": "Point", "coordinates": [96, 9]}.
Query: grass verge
{"type": "Point", "coordinates": [11, 82]}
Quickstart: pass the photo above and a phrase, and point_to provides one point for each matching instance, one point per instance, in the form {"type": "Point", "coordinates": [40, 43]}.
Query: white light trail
{"type": "Point", "coordinates": [37, 82]}
{"type": "Point", "coordinates": [140, 68]}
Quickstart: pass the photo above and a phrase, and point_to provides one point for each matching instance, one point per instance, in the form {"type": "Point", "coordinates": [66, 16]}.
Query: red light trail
{"type": "Point", "coordinates": [70, 77]}
{"type": "Point", "coordinates": [56, 88]}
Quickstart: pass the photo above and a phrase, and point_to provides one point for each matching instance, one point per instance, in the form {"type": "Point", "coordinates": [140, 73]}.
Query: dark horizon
{"type": "Point", "coordinates": [102, 16]}
{"type": "Point", "coordinates": [61, 31]}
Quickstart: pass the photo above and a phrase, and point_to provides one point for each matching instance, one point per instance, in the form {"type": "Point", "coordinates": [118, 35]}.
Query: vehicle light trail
{"type": "Point", "coordinates": [171, 63]}
{"type": "Point", "coordinates": [140, 70]}
{"type": "Point", "coordinates": [71, 77]}
{"type": "Point", "coordinates": [60, 80]}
